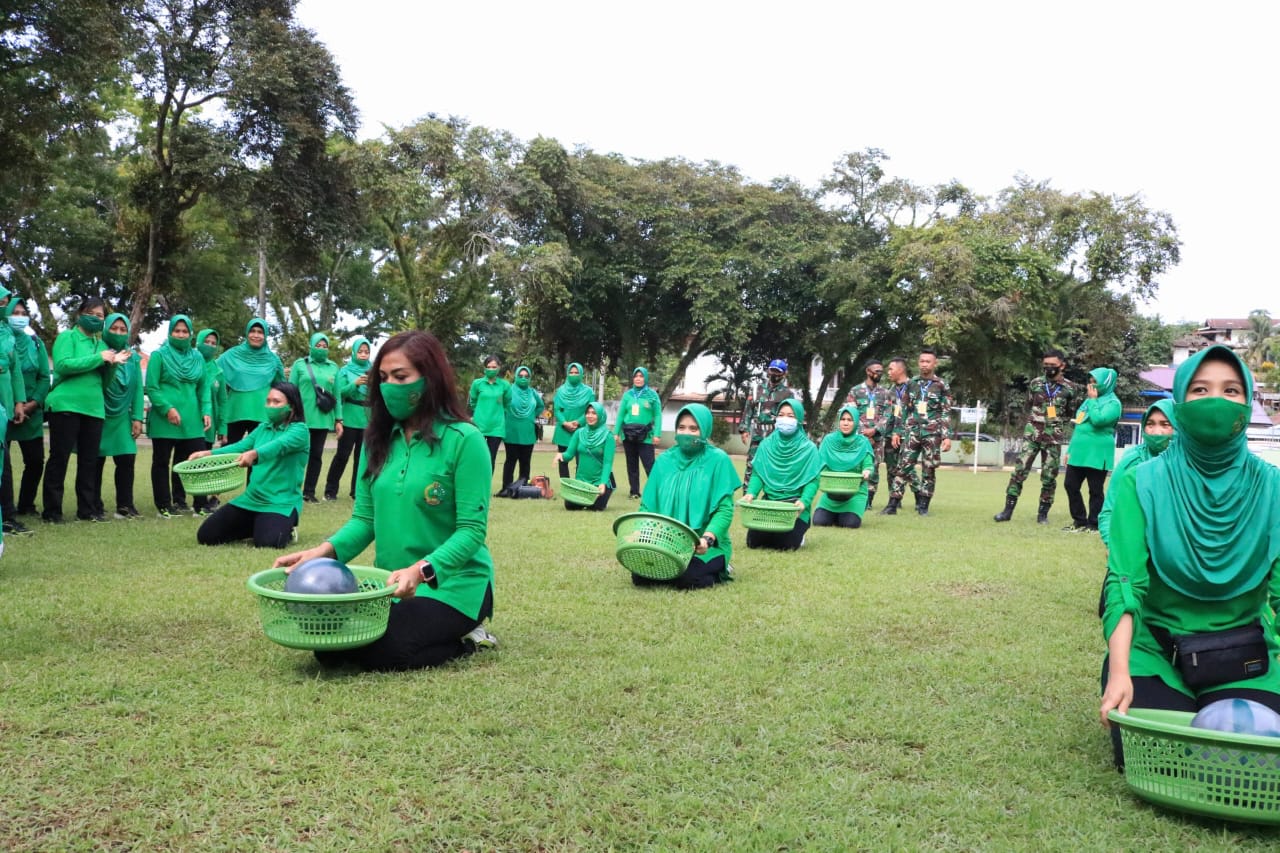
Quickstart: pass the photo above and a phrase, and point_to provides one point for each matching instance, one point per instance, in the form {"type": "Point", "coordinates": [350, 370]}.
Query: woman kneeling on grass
{"type": "Point", "coordinates": [593, 448]}
{"type": "Point", "coordinates": [1194, 545]}
{"type": "Point", "coordinates": [846, 449]}
{"type": "Point", "coordinates": [422, 498]}
{"type": "Point", "coordinates": [694, 483]}
{"type": "Point", "coordinates": [785, 468]}
{"type": "Point", "coordinates": [267, 511]}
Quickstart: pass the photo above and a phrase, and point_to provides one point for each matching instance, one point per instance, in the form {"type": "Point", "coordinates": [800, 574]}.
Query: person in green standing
{"type": "Point", "coordinates": [639, 426]}
{"type": "Point", "coordinates": [1157, 431]}
{"type": "Point", "coordinates": [422, 499]}
{"type": "Point", "coordinates": [209, 347]}
{"type": "Point", "coordinates": [786, 469]}
{"type": "Point", "coordinates": [250, 369]}
{"type": "Point", "coordinates": [521, 426]}
{"type": "Point", "coordinates": [569, 406]}
{"type": "Point", "coordinates": [694, 483]}
{"type": "Point", "coordinates": [353, 388]}
{"type": "Point", "coordinates": [13, 391]}
{"type": "Point", "coordinates": [489, 398]}
{"type": "Point", "coordinates": [1092, 450]}
{"type": "Point", "coordinates": [267, 510]}
{"type": "Point", "coordinates": [1195, 552]}
{"type": "Point", "coordinates": [845, 450]}
{"type": "Point", "coordinates": [317, 379]}
{"type": "Point", "coordinates": [180, 411]}
{"type": "Point", "coordinates": [123, 406]}
{"type": "Point", "coordinates": [593, 446]}
{"type": "Point", "coordinates": [33, 361]}
{"type": "Point", "coordinates": [82, 368]}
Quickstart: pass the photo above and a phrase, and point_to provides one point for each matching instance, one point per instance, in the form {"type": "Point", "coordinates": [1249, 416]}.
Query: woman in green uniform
{"type": "Point", "coordinates": [1194, 551]}
{"type": "Point", "coordinates": [207, 343]}
{"type": "Point", "coordinates": [82, 367]}
{"type": "Point", "coordinates": [317, 380]}
{"type": "Point", "coordinates": [569, 405]}
{"type": "Point", "coordinates": [1157, 432]}
{"type": "Point", "coordinates": [490, 395]}
{"type": "Point", "coordinates": [33, 361]}
{"type": "Point", "coordinates": [521, 426]}
{"type": "Point", "coordinates": [639, 426]}
{"type": "Point", "coordinates": [785, 468]}
{"type": "Point", "coordinates": [250, 369]}
{"type": "Point", "coordinates": [694, 483]}
{"type": "Point", "coordinates": [123, 406]}
{"type": "Point", "coordinates": [13, 398]}
{"type": "Point", "coordinates": [846, 449]}
{"type": "Point", "coordinates": [593, 447]}
{"type": "Point", "coordinates": [180, 408]}
{"type": "Point", "coordinates": [1092, 450]}
{"type": "Point", "coordinates": [422, 499]}
{"type": "Point", "coordinates": [353, 388]}
{"type": "Point", "coordinates": [267, 510]}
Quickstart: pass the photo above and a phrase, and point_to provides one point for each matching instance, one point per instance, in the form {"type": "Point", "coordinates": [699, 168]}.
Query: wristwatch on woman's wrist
{"type": "Point", "coordinates": [426, 573]}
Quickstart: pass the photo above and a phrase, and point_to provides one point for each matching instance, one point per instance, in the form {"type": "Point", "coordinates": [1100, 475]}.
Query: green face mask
{"type": "Point", "coordinates": [490, 372]}
{"type": "Point", "coordinates": [522, 381]}
{"type": "Point", "coordinates": [90, 324]}
{"type": "Point", "coordinates": [209, 351]}
{"type": "Point", "coordinates": [319, 354]}
{"type": "Point", "coordinates": [1156, 442]}
{"type": "Point", "coordinates": [180, 344]}
{"type": "Point", "coordinates": [574, 379]}
{"type": "Point", "coordinates": [402, 398]}
{"type": "Point", "coordinates": [688, 443]}
{"type": "Point", "coordinates": [116, 340]}
{"type": "Point", "coordinates": [1211, 421]}
{"type": "Point", "coordinates": [277, 415]}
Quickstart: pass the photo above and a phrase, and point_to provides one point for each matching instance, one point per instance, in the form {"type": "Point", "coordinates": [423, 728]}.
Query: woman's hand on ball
{"type": "Point", "coordinates": [289, 561]}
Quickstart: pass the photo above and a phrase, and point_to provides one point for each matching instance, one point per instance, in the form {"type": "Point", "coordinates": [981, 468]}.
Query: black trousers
{"type": "Point", "coordinates": [32, 468]}
{"type": "Point", "coordinates": [494, 443]}
{"type": "Point", "coordinates": [348, 449]}
{"type": "Point", "coordinates": [521, 454]}
{"type": "Point", "coordinates": [1072, 481]}
{"type": "Point", "coordinates": [638, 453]}
{"type": "Point", "coordinates": [124, 480]}
{"type": "Point", "coordinates": [564, 466]}
{"type": "Point", "coordinates": [700, 574]}
{"type": "Point", "coordinates": [315, 460]}
{"type": "Point", "coordinates": [165, 452]}
{"type": "Point", "coordinates": [601, 502]}
{"type": "Point", "coordinates": [421, 632]}
{"type": "Point", "coordinates": [180, 494]}
{"type": "Point", "coordinates": [232, 524]}
{"type": "Point", "coordinates": [68, 432]}
{"type": "Point", "coordinates": [826, 518]}
{"type": "Point", "coordinates": [237, 430]}
{"type": "Point", "coordinates": [788, 541]}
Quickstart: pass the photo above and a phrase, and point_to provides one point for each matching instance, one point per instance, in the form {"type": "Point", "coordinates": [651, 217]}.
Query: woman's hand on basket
{"type": "Point", "coordinates": [600, 489]}
{"type": "Point", "coordinates": [800, 505]}
{"type": "Point", "coordinates": [748, 498]}
{"type": "Point", "coordinates": [559, 458]}
{"type": "Point", "coordinates": [289, 561]}
{"type": "Point", "coordinates": [1117, 696]}
{"type": "Point", "coordinates": [405, 581]}
{"type": "Point", "coordinates": [247, 459]}
{"type": "Point", "coordinates": [199, 454]}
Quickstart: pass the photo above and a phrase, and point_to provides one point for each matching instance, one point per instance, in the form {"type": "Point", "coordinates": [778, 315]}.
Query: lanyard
{"type": "Point", "coordinates": [1053, 393]}
{"type": "Point", "coordinates": [900, 390]}
{"type": "Point", "coordinates": [924, 390]}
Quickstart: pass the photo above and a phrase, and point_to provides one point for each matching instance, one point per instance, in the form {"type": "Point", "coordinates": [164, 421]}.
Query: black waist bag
{"type": "Point", "coordinates": [1219, 657]}
{"type": "Point", "coordinates": [636, 432]}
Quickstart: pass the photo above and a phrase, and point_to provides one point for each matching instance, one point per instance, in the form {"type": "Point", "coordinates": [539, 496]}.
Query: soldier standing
{"type": "Point", "coordinates": [1052, 399]}
{"type": "Point", "coordinates": [874, 408]}
{"type": "Point", "coordinates": [921, 435]}
{"type": "Point", "coordinates": [761, 409]}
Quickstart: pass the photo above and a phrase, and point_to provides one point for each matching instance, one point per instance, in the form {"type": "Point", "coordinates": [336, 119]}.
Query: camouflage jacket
{"type": "Point", "coordinates": [761, 408]}
{"type": "Point", "coordinates": [874, 408]}
{"type": "Point", "coordinates": [1064, 396]}
{"type": "Point", "coordinates": [928, 409]}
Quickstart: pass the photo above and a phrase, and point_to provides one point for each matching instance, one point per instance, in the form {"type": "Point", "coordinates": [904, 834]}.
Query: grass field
{"type": "Point", "coordinates": [919, 684]}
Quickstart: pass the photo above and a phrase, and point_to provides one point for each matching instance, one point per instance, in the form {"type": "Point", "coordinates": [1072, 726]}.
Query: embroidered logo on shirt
{"type": "Point", "coordinates": [434, 494]}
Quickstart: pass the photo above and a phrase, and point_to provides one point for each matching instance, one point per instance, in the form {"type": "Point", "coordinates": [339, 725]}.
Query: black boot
{"type": "Point", "coordinates": [922, 504]}
{"type": "Point", "coordinates": [1042, 517]}
{"type": "Point", "coordinates": [1007, 513]}
{"type": "Point", "coordinates": [891, 508]}
{"type": "Point", "coordinates": [871, 498]}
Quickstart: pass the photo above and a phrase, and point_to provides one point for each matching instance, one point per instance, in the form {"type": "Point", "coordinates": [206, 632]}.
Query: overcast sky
{"type": "Point", "coordinates": [1171, 100]}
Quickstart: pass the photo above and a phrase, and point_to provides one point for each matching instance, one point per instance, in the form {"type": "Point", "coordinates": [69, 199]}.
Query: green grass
{"type": "Point", "coordinates": [919, 684]}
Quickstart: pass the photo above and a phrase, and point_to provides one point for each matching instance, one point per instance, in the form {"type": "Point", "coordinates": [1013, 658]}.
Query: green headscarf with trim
{"type": "Point", "coordinates": [1154, 445]}
{"type": "Point", "coordinates": [118, 395]}
{"type": "Point", "coordinates": [357, 367]}
{"type": "Point", "coordinates": [25, 344]}
{"type": "Point", "coordinates": [203, 348]}
{"type": "Point", "coordinates": [573, 396]}
{"type": "Point", "coordinates": [1212, 510]}
{"type": "Point", "coordinates": [839, 452]}
{"type": "Point", "coordinates": [523, 400]}
{"type": "Point", "coordinates": [247, 368]}
{"type": "Point", "coordinates": [689, 486]}
{"type": "Point", "coordinates": [787, 463]}
{"type": "Point", "coordinates": [186, 366]}
{"type": "Point", "coordinates": [592, 437]}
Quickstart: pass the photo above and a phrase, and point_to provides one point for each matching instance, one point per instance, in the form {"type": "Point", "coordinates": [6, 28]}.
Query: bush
{"type": "Point", "coordinates": [720, 432]}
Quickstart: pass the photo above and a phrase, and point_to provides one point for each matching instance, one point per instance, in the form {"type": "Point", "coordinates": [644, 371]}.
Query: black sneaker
{"type": "Point", "coordinates": [96, 517]}
{"type": "Point", "coordinates": [330, 497]}
{"type": "Point", "coordinates": [180, 507]}
{"type": "Point", "coordinates": [26, 510]}
{"type": "Point", "coordinates": [13, 527]}
{"type": "Point", "coordinates": [309, 499]}
{"type": "Point", "coordinates": [52, 519]}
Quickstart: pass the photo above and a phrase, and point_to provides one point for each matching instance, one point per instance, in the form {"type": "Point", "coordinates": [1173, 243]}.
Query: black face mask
{"type": "Point", "coordinates": [1051, 371]}
{"type": "Point", "coordinates": [875, 377]}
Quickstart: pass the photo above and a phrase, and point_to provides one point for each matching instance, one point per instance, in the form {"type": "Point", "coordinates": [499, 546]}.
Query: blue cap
{"type": "Point", "coordinates": [778, 364]}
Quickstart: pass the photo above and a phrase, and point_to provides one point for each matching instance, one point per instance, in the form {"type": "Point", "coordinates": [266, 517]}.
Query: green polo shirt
{"type": "Point", "coordinates": [489, 401]}
{"type": "Point", "coordinates": [166, 391]}
{"type": "Point", "coordinates": [355, 402]}
{"type": "Point", "coordinates": [326, 378]}
{"type": "Point", "coordinates": [79, 375]}
{"type": "Point", "coordinates": [276, 484]}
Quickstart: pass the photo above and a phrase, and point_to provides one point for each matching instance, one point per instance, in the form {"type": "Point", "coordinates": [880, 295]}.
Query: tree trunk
{"type": "Point", "coordinates": [262, 281]}
{"type": "Point", "coordinates": [146, 287]}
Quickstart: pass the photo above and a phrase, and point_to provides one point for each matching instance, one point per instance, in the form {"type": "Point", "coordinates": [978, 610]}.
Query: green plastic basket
{"type": "Point", "coordinates": [323, 622]}
{"type": "Point", "coordinates": [654, 546]}
{"type": "Point", "coordinates": [840, 484]}
{"type": "Point", "coordinates": [211, 475]}
{"type": "Point", "coordinates": [578, 492]}
{"type": "Point", "coordinates": [1205, 772]}
{"type": "Point", "coordinates": [768, 516]}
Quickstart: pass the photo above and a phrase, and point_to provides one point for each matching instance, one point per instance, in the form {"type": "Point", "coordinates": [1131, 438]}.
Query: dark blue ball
{"type": "Point", "coordinates": [321, 576]}
{"type": "Point", "coordinates": [1240, 716]}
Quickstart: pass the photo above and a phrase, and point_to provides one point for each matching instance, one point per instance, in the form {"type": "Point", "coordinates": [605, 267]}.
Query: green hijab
{"type": "Point", "coordinates": [787, 463]}
{"type": "Point", "coordinates": [118, 395]}
{"type": "Point", "coordinates": [592, 437]}
{"type": "Point", "coordinates": [841, 453]}
{"type": "Point", "coordinates": [1154, 445]}
{"type": "Point", "coordinates": [1212, 510]}
{"type": "Point", "coordinates": [247, 368]}
{"type": "Point", "coordinates": [25, 344]}
{"type": "Point", "coordinates": [7, 339]}
{"type": "Point", "coordinates": [1105, 380]}
{"type": "Point", "coordinates": [185, 366]}
{"type": "Point", "coordinates": [319, 354]}
{"type": "Point", "coordinates": [643, 389]}
{"type": "Point", "coordinates": [523, 400]}
{"type": "Point", "coordinates": [573, 396]}
{"type": "Point", "coordinates": [689, 486]}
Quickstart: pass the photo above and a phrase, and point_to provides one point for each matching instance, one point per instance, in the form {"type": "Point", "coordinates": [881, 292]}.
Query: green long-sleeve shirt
{"type": "Point", "coordinates": [36, 381]}
{"type": "Point", "coordinates": [276, 484]}
{"type": "Point", "coordinates": [489, 401]}
{"type": "Point", "coordinates": [857, 502]}
{"type": "Point", "coordinates": [79, 374]}
{"type": "Point", "coordinates": [217, 401]}
{"type": "Point", "coordinates": [117, 430]}
{"type": "Point", "coordinates": [810, 489]}
{"type": "Point", "coordinates": [13, 386]}
{"type": "Point", "coordinates": [430, 501]}
{"type": "Point", "coordinates": [166, 391]}
{"type": "Point", "coordinates": [523, 430]}
{"type": "Point", "coordinates": [1093, 443]}
{"type": "Point", "coordinates": [595, 466]}
{"type": "Point", "coordinates": [644, 408]}
{"type": "Point", "coordinates": [327, 378]}
{"type": "Point", "coordinates": [355, 402]}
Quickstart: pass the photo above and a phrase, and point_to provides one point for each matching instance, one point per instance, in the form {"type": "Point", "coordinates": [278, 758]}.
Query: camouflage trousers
{"type": "Point", "coordinates": [922, 450]}
{"type": "Point", "coordinates": [752, 447]}
{"type": "Point", "coordinates": [881, 458]}
{"type": "Point", "coordinates": [1050, 454]}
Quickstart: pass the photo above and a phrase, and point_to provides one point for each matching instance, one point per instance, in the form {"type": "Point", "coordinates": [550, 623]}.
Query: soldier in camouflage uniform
{"type": "Point", "coordinates": [1052, 399]}
{"type": "Point", "coordinates": [874, 410]}
{"type": "Point", "coordinates": [921, 434]}
{"type": "Point", "coordinates": [761, 409]}
{"type": "Point", "coordinates": [899, 394]}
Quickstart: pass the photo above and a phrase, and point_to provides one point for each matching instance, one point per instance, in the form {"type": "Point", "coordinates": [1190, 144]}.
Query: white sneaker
{"type": "Point", "coordinates": [293, 535]}
{"type": "Point", "coordinates": [479, 638]}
